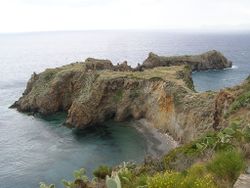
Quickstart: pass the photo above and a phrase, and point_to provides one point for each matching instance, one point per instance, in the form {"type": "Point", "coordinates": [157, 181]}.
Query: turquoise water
{"type": "Point", "coordinates": [44, 150]}
{"type": "Point", "coordinates": [33, 149]}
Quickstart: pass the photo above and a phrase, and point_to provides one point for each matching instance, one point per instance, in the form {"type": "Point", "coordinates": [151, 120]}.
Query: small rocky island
{"type": "Point", "coordinates": [161, 91]}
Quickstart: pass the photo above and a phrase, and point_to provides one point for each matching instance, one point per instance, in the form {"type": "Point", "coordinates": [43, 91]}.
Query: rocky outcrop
{"type": "Point", "coordinates": [209, 60]}
{"type": "Point", "coordinates": [99, 64]}
{"type": "Point", "coordinates": [243, 181]}
{"type": "Point", "coordinates": [94, 91]}
{"type": "Point", "coordinates": [222, 103]}
{"type": "Point", "coordinates": [123, 67]}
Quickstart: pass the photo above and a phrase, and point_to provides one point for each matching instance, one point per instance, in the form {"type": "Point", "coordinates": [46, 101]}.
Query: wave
{"type": "Point", "coordinates": [235, 67]}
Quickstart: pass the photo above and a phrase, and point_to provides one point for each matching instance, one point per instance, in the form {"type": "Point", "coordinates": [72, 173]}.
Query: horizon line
{"type": "Point", "coordinates": [178, 30]}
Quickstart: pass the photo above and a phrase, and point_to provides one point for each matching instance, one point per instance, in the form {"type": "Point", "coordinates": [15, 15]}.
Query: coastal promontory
{"type": "Point", "coordinates": [160, 90]}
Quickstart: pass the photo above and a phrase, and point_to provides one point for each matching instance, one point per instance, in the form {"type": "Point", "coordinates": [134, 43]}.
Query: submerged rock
{"type": "Point", "coordinates": [96, 90]}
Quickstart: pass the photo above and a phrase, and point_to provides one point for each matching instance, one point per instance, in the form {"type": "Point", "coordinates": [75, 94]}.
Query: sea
{"type": "Point", "coordinates": [37, 149]}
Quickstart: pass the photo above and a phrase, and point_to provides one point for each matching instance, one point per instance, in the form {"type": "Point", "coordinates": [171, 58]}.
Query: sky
{"type": "Point", "coordinates": [55, 15]}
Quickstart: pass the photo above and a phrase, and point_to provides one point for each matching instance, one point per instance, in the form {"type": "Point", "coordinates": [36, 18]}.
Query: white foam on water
{"type": "Point", "coordinates": [235, 67]}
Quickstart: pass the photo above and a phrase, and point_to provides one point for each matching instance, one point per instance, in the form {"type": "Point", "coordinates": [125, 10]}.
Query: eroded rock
{"type": "Point", "coordinates": [243, 181]}
{"type": "Point", "coordinates": [209, 60]}
{"type": "Point", "coordinates": [96, 90]}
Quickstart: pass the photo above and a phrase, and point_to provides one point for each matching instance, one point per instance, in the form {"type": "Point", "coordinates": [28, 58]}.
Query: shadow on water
{"type": "Point", "coordinates": [54, 119]}
{"type": "Point", "coordinates": [119, 137]}
{"type": "Point", "coordinates": [102, 130]}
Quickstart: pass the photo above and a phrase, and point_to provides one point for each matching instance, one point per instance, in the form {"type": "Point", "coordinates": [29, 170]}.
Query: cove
{"type": "Point", "coordinates": [47, 151]}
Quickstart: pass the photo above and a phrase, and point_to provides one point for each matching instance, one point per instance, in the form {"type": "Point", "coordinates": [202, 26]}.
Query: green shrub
{"type": "Point", "coordinates": [102, 171]}
{"type": "Point", "coordinates": [118, 95]}
{"type": "Point", "coordinates": [128, 178]}
{"type": "Point", "coordinates": [222, 140]}
{"type": "Point", "coordinates": [246, 133]}
{"type": "Point", "coordinates": [196, 177]}
{"type": "Point", "coordinates": [242, 132]}
{"type": "Point", "coordinates": [213, 141]}
{"type": "Point", "coordinates": [125, 176]}
{"type": "Point", "coordinates": [242, 101]}
{"type": "Point", "coordinates": [44, 185]}
{"type": "Point", "coordinates": [227, 164]}
{"type": "Point", "coordinates": [141, 181]}
{"type": "Point", "coordinates": [166, 180]}
{"type": "Point", "coordinates": [226, 139]}
{"type": "Point", "coordinates": [80, 179]}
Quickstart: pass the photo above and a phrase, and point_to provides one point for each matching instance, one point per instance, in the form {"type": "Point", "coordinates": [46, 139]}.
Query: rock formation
{"type": "Point", "coordinates": [243, 181]}
{"type": "Point", "coordinates": [162, 92]}
{"type": "Point", "coordinates": [209, 60]}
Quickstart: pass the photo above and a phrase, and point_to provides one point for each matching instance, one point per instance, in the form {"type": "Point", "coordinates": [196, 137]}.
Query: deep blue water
{"type": "Point", "coordinates": [33, 149]}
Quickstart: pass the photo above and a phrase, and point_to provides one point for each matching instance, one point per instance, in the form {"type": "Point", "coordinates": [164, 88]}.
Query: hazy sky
{"type": "Point", "coordinates": [46, 15]}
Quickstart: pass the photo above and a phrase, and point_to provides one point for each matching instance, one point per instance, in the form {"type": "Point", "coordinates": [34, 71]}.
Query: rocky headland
{"type": "Point", "coordinates": [160, 90]}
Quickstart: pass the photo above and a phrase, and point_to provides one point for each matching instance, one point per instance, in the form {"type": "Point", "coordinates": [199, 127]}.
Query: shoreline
{"type": "Point", "coordinates": [157, 143]}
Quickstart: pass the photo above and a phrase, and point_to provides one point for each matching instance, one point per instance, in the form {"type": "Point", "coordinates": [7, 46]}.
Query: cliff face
{"type": "Point", "coordinates": [94, 91]}
{"type": "Point", "coordinates": [209, 60]}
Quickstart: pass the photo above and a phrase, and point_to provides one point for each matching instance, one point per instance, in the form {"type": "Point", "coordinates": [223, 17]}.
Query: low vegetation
{"type": "Point", "coordinates": [242, 101]}
{"type": "Point", "coordinates": [227, 165]}
{"type": "Point", "coordinates": [195, 177]}
{"type": "Point", "coordinates": [102, 171]}
{"type": "Point", "coordinates": [185, 74]}
{"type": "Point", "coordinates": [118, 95]}
{"type": "Point", "coordinates": [80, 180]}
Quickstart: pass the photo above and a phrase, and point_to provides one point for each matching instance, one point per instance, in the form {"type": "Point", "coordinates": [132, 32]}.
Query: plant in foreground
{"type": "Point", "coordinates": [227, 164]}
{"type": "Point", "coordinates": [102, 171]}
{"type": "Point", "coordinates": [44, 185]}
{"type": "Point", "coordinates": [80, 179]}
{"type": "Point", "coordinates": [195, 177]}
